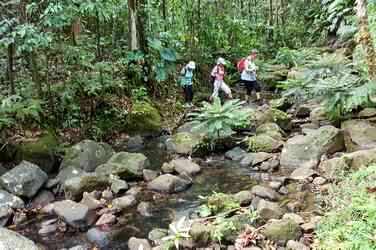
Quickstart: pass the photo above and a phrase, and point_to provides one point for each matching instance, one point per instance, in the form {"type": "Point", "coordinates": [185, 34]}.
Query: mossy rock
{"type": "Point", "coordinates": [273, 74]}
{"type": "Point", "coordinates": [282, 103]}
{"type": "Point", "coordinates": [76, 186]}
{"type": "Point", "coordinates": [276, 116]}
{"type": "Point", "coordinates": [263, 143]}
{"type": "Point", "coordinates": [281, 231]}
{"type": "Point", "coordinates": [271, 129]}
{"type": "Point", "coordinates": [184, 143]}
{"type": "Point", "coordinates": [42, 152]}
{"type": "Point", "coordinates": [144, 118]}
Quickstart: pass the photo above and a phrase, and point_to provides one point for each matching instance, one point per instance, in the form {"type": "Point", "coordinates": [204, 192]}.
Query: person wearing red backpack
{"type": "Point", "coordinates": [248, 75]}
{"type": "Point", "coordinates": [217, 75]}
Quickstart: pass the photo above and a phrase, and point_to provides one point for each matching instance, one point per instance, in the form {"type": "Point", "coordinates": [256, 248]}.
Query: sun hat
{"type": "Point", "coordinates": [191, 65]}
{"type": "Point", "coordinates": [254, 51]}
{"type": "Point", "coordinates": [221, 61]}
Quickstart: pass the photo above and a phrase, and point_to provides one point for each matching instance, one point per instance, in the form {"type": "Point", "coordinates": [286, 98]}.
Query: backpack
{"type": "Point", "coordinates": [241, 65]}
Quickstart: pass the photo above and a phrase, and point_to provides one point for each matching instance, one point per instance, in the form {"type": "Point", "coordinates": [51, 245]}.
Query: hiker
{"type": "Point", "coordinates": [186, 75]}
{"type": "Point", "coordinates": [249, 74]}
{"type": "Point", "coordinates": [218, 74]}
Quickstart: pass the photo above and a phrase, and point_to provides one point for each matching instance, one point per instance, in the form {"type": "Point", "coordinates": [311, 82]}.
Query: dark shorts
{"type": "Point", "coordinates": [252, 85]}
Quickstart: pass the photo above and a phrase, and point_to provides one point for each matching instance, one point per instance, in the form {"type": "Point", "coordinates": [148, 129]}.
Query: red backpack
{"type": "Point", "coordinates": [241, 65]}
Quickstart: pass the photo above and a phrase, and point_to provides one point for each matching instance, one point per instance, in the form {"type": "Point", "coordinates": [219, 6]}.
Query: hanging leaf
{"type": "Point", "coordinates": [161, 74]}
{"type": "Point", "coordinates": [168, 54]}
{"type": "Point", "coordinates": [155, 44]}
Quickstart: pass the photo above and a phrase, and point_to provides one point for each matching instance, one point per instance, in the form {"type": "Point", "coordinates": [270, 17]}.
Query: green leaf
{"type": "Point", "coordinates": [168, 54]}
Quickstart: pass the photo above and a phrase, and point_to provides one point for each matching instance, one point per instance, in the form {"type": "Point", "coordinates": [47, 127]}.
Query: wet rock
{"type": "Point", "coordinates": [73, 213]}
{"type": "Point", "coordinates": [235, 154]}
{"type": "Point", "coordinates": [124, 202]}
{"type": "Point", "coordinates": [125, 165]}
{"type": "Point", "coordinates": [319, 181]}
{"type": "Point", "coordinates": [269, 210]}
{"type": "Point", "coordinates": [5, 213]}
{"type": "Point", "coordinates": [359, 135]}
{"type": "Point", "coordinates": [265, 192]}
{"type": "Point", "coordinates": [244, 197]}
{"type": "Point", "coordinates": [302, 173]}
{"type": "Point", "coordinates": [248, 160]}
{"type": "Point", "coordinates": [306, 151]}
{"type": "Point", "coordinates": [261, 157]}
{"type": "Point", "coordinates": [263, 143]}
{"type": "Point", "coordinates": [294, 245]}
{"type": "Point", "coordinates": [293, 206]}
{"type": "Point", "coordinates": [10, 240]}
{"type": "Point", "coordinates": [135, 243]}
{"type": "Point", "coordinates": [150, 175]}
{"type": "Point", "coordinates": [24, 180]}
{"type": "Point", "coordinates": [10, 200]}
{"type": "Point", "coordinates": [90, 200]}
{"type": "Point", "coordinates": [269, 165]}
{"type": "Point", "coordinates": [118, 185]}
{"type": "Point", "coordinates": [107, 195]}
{"type": "Point", "coordinates": [169, 184]}
{"type": "Point", "coordinates": [19, 218]}
{"type": "Point", "coordinates": [167, 168]}
{"type": "Point", "coordinates": [135, 143]}
{"type": "Point", "coordinates": [106, 219]}
{"type": "Point", "coordinates": [145, 209]}
{"type": "Point", "coordinates": [134, 191]}
{"type": "Point", "coordinates": [281, 231]}
{"type": "Point", "coordinates": [42, 199]}
{"type": "Point", "coordinates": [48, 229]}
{"type": "Point", "coordinates": [40, 151]}
{"type": "Point", "coordinates": [331, 168]}
{"type": "Point", "coordinates": [68, 173]}
{"type": "Point", "coordinates": [76, 186]}
{"type": "Point", "coordinates": [183, 143]}
{"type": "Point", "coordinates": [185, 166]}
{"type": "Point", "coordinates": [294, 217]}
{"type": "Point", "coordinates": [201, 233]}
{"type": "Point", "coordinates": [157, 234]}
{"type": "Point", "coordinates": [87, 155]}
{"type": "Point", "coordinates": [98, 237]}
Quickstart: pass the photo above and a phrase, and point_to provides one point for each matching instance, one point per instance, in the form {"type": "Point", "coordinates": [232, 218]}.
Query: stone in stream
{"type": "Point", "coordinates": [43, 198]}
{"type": "Point", "coordinates": [248, 159]}
{"type": "Point", "coordinates": [302, 173]}
{"type": "Point", "coordinates": [106, 219]}
{"type": "Point", "coordinates": [270, 165]}
{"type": "Point", "coordinates": [261, 157]}
{"type": "Point", "coordinates": [235, 154]}
{"type": "Point", "coordinates": [264, 143]}
{"type": "Point", "coordinates": [124, 202]}
{"type": "Point", "coordinates": [318, 115]}
{"type": "Point", "coordinates": [10, 200]}
{"type": "Point", "coordinates": [318, 181]}
{"type": "Point", "coordinates": [87, 155]}
{"type": "Point", "coordinates": [118, 185]}
{"type": "Point", "coordinates": [5, 213]}
{"type": "Point", "coordinates": [145, 209]}
{"type": "Point", "coordinates": [125, 165]}
{"type": "Point", "coordinates": [359, 135]}
{"type": "Point", "coordinates": [169, 184]}
{"type": "Point", "coordinates": [156, 235]}
{"type": "Point", "coordinates": [47, 229]}
{"type": "Point", "coordinates": [107, 195]}
{"type": "Point", "coordinates": [185, 166]}
{"type": "Point", "coordinates": [73, 213]}
{"type": "Point", "coordinates": [137, 244]}
{"type": "Point", "coordinates": [135, 143]}
{"type": "Point", "coordinates": [244, 197]}
{"type": "Point", "coordinates": [24, 180]}
{"type": "Point", "coordinates": [150, 175]}
{"type": "Point", "coordinates": [295, 217]}
{"type": "Point", "coordinates": [66, 174]}
{"type": "Point", "coordinates": [90, 200]}
{"type": "Point", "coordinates": [271, 129]}
{"type": "Point", "coordinates": [265, 192]}
{"type": "Point", "coordinates": [183, 143]}
{"type": "Point", "coordinates": [294, 245]}
{"type": "Point", "coordinates": [306, 151]}
{"type": "Point", "coordinates": [10, 240]}
{"type": "Point", "coordinates": [98, 237]}
{"type": "Point", "coordinates": [281, 231]}
{"type": "Point", "coordinates": [276, 116]}
{"type": "Point", "coordinates": [269, 210]}
{"type": "Point", "coordinates": [76, 186]}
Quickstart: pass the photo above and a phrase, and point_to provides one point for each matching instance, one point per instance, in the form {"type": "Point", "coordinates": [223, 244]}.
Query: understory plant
{"type": "Point", "coordinates": [219, 121]}
{"type": "Point", "coordinates": [350, 222]}
{"type": "Point", "coordinates": [217, 203]}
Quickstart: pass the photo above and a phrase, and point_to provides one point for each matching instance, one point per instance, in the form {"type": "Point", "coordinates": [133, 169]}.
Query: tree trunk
{"type": "Point", "coordinates": [132, 25]}
{"type": "Point", "coordinates": [35, 74]}
{"type": "Point", "coordinates": [10, 68]}
{"type": "Point", "coordinates": [365, 38]}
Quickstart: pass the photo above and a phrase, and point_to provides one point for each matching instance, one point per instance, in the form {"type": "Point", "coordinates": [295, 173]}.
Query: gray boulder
{"type": "Point", "coordinates": [269, 210]}
{"type": "Point", "coordinates": [10, 200]}
{"type": "Point", "coordinates": [302, 173]}
{"type": "Point", "coordinates": [359, 135]}
{"type": "Point", "coordinates": [183, 143]}
{"type": "Point", "coordinates": [76, 186]}
{"type": "Point", "coordinates": [10, 240]}
{"type": "Point", "coordinates": [87, 155]}
{"type": "Point", "coordinates": [281, 231]}
{"type": "Point", "coordinates": [169, 184]}
{"type": "Point", "coordinates": [73, 213]}
{"type": "Point", "coordinates": [145, 209]}
{"type": "Point", "coordinates": [124, 202]}
{"type": "Point", "coordinates": [306, 151]}
{"type": "Point", "coordinates": [235, 154]}
{"type": "Point", "coordinates": [42, 199]}
{"type": "Point", "coordinates": [24, 180]}
{"type": "Point", "coordinates": [331, 169]}
{"type": "Point", "coordinates": [265, 192]}
{"type": "Point", "coordinates": [361, 158]}
{"type": "Point", "coordinates": [125, 165]}
{"type": "Point", "coordinates": [185, 166]}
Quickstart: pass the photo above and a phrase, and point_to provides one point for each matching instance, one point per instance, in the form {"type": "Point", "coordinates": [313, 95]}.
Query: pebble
{"type": "Point", "coordinates": [106, 219]}
{"type": "Point", "coordinates": [107, 195]}
{"type": "Point", "coordinates": [319, 181]}
{"type": "Point", "coordinates": [145, 209]}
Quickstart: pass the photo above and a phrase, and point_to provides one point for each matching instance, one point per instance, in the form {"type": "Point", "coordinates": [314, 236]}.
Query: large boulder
{"type": "Point", "coordinates": [263, 143]}
{"type": "Point", "coordinates": [281, 231]}
{"type": "Point", "coordinates": [87, 155]}
{"type": "Point", "coordinates": [125, 165]}
{"type": "Point", "coordinates": [10, 240]}
{"type": "Point", "coordinates": [235, 154]}
{"type": "Point", "coordinates": [88, 182]}
{"type": "Point", "coordinates": [265, 192]}
{"type": "Point", "coordinates": [73, 213]}
{"type": "Point", "coordinates": [169, 184]}
{"type": "Point", "coordinates": [183, 142]}
{"type": "Point", "coordinates": [269, 210]}
{"type": "Point", "coordinates": [270, 128]}
{"type": "Point", "coordinates": [359, 135]}
{"type": "Point", "coordinates": [10, 200]}
{"type": "Point", "coordinates": [306, 151]}
{"type": "Point", "coordinates": [24, 180]}
{"type": "Point", "coordinates": [185, 166]}
{"type": "Point", "coordinates": [143, 118]}
{"type": "Point", "coordinates": [272, 115]}
{"type": "Point", "coordinates": [41, 151]}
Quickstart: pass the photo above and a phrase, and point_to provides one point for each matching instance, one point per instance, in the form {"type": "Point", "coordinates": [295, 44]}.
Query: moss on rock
{"type": "Point", "coordinates": [144, 118]}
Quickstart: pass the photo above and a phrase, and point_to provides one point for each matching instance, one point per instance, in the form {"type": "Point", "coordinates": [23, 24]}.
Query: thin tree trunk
{"type": "Point", "coordinates": [365, 37]}
{"type": "Point", "coordinates": [10, 68]}
{"type": "Point", "coordinates": [35, 74]}
{"type": "Point", "coordinates": [164, 15]}
{"type": "Point", "coordinates": [98, 35]}
{"type": "Point", "coordinates": [132, 25]}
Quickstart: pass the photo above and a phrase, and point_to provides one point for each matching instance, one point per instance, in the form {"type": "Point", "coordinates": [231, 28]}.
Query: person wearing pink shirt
{"type": "Point", "coordinates": [218, 74]}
